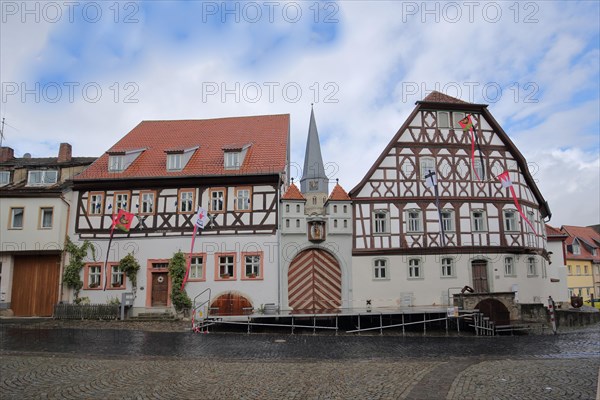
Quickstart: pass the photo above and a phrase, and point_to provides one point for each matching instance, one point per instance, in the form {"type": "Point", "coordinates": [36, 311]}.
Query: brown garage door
{"type": "Point", "coordinates": [35, 285]}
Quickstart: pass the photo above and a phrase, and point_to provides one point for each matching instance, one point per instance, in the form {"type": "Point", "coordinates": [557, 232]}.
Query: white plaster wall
{"type": "Point", "coordinates": [6, 274]}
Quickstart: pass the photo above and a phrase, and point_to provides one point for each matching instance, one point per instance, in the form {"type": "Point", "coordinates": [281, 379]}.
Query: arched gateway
{"type": "Point", "coordinates": [314, 282]}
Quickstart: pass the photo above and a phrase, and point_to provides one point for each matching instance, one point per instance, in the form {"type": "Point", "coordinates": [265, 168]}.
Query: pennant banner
{"type": "Point", "coordinates": [507, 183]}
{"type": "Point", "coordinates": [467, 125]}
{"type": "Point", "coordinates": [198, 224]}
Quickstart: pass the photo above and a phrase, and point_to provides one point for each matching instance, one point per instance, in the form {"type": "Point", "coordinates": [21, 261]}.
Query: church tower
{"type": "Point", "coordinates": [314, 184]}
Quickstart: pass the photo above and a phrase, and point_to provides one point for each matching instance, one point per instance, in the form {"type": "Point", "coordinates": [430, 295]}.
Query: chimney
{"type": "Point", "coordinates": [6, 154]}
{"type": "Point", "coordinates": [64, 152]}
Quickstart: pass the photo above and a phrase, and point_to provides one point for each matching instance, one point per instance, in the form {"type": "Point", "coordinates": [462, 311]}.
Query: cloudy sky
{"type": "Point", "coordinates": [88, 72]}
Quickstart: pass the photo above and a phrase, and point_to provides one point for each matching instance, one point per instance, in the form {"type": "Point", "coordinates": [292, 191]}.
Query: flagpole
{"type": "Point", "coordinates": [107, 254]}
{"type": "Point", "coordinates": [437, 204]}
{"type": "Point", "coordinates": [514, 195]}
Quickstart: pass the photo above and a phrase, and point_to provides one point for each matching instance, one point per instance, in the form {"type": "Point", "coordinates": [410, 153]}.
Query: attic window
{"type": "Point", "coordinates": [174, 162]}
{"type": "Point", "coordinates": [576, 249]}
{"type": "Point", "coordinates": [42, 178]}
{"type": "Point", "coordinates": [4, 178]}
{"type": "Point", "coordinates": [116, 163]}
{"type": "Point", "coordinates": [232, 159]}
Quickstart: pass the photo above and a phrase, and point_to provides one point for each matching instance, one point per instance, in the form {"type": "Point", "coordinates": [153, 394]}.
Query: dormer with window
{"type": "Point", "coordinates": [234, 155]}
{"type": "Point", "coordinates": [119, 161]}
{"type": "Point", "coordinates": [576, 247]}
{"type": "Point", "coordinates": [42, 177]}
{"type": "Point", "coordinates": [177, 159]}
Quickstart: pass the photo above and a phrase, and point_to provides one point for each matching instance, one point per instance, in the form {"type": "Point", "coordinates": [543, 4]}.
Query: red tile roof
{"type": "Point", "coordinates": [589, 240]}
{"type": "Point", "coordinates": [437, 97]}
{"type": "Point", "coordinates": [553, 232]}
{"type": "Point", "coordinates": [268, 153]}
{"type": "Point", "coordinates": [339, 194]}
{"type": "Point", "coordinates": [293, 193]}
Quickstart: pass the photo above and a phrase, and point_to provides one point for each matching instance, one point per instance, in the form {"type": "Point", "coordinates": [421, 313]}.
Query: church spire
{"type": "Point", "coordinates": [313, 178]}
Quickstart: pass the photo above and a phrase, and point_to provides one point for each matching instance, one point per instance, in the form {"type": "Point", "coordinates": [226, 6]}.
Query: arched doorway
{"type": "Point", "coordinates": [495, 310]}
{"type": "Point", "coordinates": [480, 276]}
{"type": "Point", "coordinates": [230, 304]}
{"type": "Point", "coordinates": [314, 282]}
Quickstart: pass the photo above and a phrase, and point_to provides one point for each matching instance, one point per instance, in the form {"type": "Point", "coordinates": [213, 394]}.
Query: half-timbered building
{"type": "Point", "coordinates": [400, 256]}
{"type": "Point", "coordinates": [162, 171]}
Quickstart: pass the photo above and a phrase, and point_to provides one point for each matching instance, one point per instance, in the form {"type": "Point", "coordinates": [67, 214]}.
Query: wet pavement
{"type": "Point", "coordinates": [70, 362]}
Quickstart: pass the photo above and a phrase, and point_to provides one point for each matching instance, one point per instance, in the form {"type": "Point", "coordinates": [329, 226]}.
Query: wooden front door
{"type": "Point", "coordinates": [231, 304]}
{"type": "Point", "coordinates": [314, 282]}
{"type": "Point", "coordinates": [480, 279]}
{"type": "Point", "coordinates": [35, 285]}
{"type": "Point", "coordinates": [160, 289]}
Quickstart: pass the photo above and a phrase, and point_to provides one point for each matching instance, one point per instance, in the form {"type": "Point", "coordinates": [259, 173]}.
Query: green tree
{"type": "Point", "coordinates": [130, 267]}
{"type": "Point", "coordinates": [177, 269]}
{"type": "Point", "coordinates": [77, 254]}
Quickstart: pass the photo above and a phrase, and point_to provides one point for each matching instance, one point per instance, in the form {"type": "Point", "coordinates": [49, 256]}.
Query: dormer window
{"type": "Point", "coordinates": [4, 178]}
{"type": "Point", "coordinates": [116, 163]}
{"type": "Point", "coordinates": [174, 162]}
{"type": "Point", "coordinates": [232, 160]}
{"type": "Point", "coordinates": [576, 248]}
{"type": "Point", "coordinates": [42, 178]}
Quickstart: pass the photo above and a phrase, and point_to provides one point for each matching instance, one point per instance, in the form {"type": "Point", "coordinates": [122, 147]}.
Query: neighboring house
{"type": "Point", "coordinates": [583, 260]}
{"type": "Point", "coordinates": [34, 212]}
{"type": "Point", "coordinates": [399, 257]}
{"type": "Point", "coordinates": [162, 171]}
{"type": "Point", "coordinates": [557, 265]}
{"type": "Point", "coordinates": [316, 239]}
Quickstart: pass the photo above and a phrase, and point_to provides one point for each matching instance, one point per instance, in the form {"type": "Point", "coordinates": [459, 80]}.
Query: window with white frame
{"type": "Point", "coordinates": [511, 221]}
{"type": "Point", "coordinates": [448, 220]}
{"type": "Point", "coordinates": [478, 167]}
{"type": "Point", "coordinates": [570, 270]}
{"type": "Point", "coordinates": [46, 215]}
{"type": "Point", "coordinates": [96, 201]}
{"type": "Point", "coordinates": [186, 201]}
{"type": "Point", "coordinates": [457, 116]}
{"type": "Point", "coordinates": [117, 277]}
{"type": "Point", "coordinates": [576, 248]}
{"type": "Point", "coordinates": [335, 209]}
{"type": "Point", "coordinates": [42, 177]}
{"type": "Point", "coordinates": [413, 221]}
{"type": "Point", "coordinates": [226, 266]}
{"type": "Point", "coordinates": [147, 203]}
{"type": "Point", "coordinates": [297, 223]}
{"type": "Point", "coordinates": [217, 200]}
{"type": "Point", "coordinates": [174, 162]}
{"type": "Point", "coordinates": [297, 208]}
{"type": "Point", "coordinates": [585, 269]}
{"type": "Point", "coordinates": [345, 223]}
{"type": "Point", "coordinates": [4, 178]}
{"type": "Point", "coordinates": [345, 209]}
{"type": "Point", "coordinates": [530, 217]}
{"type": "Point", "coordinates": [447, 267]}
{"type": "Point", "coordinates": [121, 201]}
{"type": "Point", "coordinates": [116, 163]}
{"type": "Point", "coordinates": [242, 199]}
{"type": "Point", "coordinates": [414, 268]}
{"type": "Point", "coordinates": [531, 266]}
{"type": "Point", "coordinates": [287, 223]}
{"type": "Point", "coordinates": [16, 217]}
{"type": "Point", "coordinates": [335, 223]}
{"type": "Point", "coordinates": [380, 221]}
{"type": "Point", "coordinates": [443, 119]}
{"type": "Point", "coordinates": [478, 221]}
{"type": "Point", "coordinates": [578, 269]}
{"type": "Point", "coordinates": [426, 165]}
{"type": "Point", "coordinates": [197, 267]}
{"type": "Point", "coordinates": [380, 269]}
{"type": "Point", "coordinates": [252, 266]}
{"type": "Point", "coordinates": [509, 266]}
{"type": "Point", "coordinates": [232, 159]}
{"type": "Point", "coordinates": [287, 208]}
{"type": "Point", "coordinates": [94, 273]}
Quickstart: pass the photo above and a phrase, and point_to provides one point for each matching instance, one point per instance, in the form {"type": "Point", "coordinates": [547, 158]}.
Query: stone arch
{"type": "Point", "coordinates": [495, 310]}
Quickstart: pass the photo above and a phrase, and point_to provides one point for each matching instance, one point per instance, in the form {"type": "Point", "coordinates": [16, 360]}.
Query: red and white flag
{"type": "Point", "coordinates": [507, 183]}
{"type": "Point", "coordinates": [198, 224]}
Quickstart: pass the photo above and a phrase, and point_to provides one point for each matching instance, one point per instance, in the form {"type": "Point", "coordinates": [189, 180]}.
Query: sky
{"type": "Point", "coordinates": [87, 72]}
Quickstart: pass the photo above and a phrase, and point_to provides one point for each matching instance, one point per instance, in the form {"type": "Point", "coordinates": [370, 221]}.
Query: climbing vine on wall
{"type": "Point", "coordinates": [72, 272]}
{"type": "Point", "coordinates": [177, 269]}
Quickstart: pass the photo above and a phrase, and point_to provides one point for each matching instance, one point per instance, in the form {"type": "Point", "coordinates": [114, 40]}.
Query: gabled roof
{"type": "Point", "coordinates": [267, 155]}
{"type": "Point", "coordinates": [445, 102]}
{"type": "Point", "coordinates": [588, 239]}
{"type": "Point", "coordinates": [555, 234]}
{"type": "Point", "coordinates": [339, 194]}
{"type": "Point", "coordinates": [293, 193]}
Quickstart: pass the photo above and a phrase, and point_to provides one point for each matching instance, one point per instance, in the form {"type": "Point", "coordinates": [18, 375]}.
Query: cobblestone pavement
{"type": "Point", "coordinates": [71, 363]}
